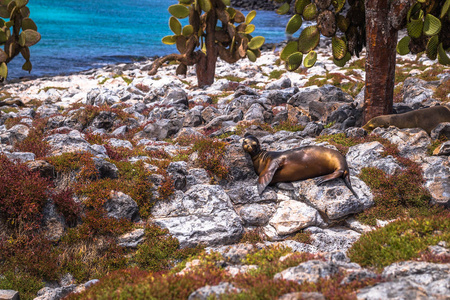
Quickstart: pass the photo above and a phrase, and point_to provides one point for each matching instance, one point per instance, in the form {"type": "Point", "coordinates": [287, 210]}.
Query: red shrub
{"type": "Point", "coordinates": [22, 194]}
{"type": "Point", "coordinates": [67, 206]}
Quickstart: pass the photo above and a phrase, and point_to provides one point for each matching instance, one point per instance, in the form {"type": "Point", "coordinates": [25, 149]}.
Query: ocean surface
{"type": "Point", "coordinates": [79, 34]}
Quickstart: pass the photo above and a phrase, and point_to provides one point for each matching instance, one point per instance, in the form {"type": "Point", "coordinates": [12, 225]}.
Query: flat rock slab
{"type": "Point", "coordinates": [9, 295]}
{"type": "Point", "coordinates": [204, 214]}
{"type": "Point", "coordinates": [333, 198]}
{"type": "Point", "coordinates": [310, 271]}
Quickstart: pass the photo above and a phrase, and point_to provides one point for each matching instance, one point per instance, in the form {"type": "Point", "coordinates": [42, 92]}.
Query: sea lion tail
{"type": "Point", "coordinates": [347, 182]}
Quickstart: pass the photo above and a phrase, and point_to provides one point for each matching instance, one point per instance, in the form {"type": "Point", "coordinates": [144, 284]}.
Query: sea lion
{"type": "Point", "coordinates": [426, 118]}
{"type": "Point", "coordinates": [296, 164]}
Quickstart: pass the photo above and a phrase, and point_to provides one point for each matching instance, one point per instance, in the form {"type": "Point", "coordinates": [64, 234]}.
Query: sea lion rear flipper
{"type": "Point", "coordinates": [266, 175]}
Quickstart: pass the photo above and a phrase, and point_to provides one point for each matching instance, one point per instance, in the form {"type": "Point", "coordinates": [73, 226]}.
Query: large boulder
{"type": "Point", "coordinates": [204, 214]}
{"type": "Point", "coordinates": [436, 172]}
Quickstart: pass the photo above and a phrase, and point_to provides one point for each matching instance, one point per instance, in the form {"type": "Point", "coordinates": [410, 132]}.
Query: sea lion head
{"type": "Point", "coordinates": [250, 144]}
{"type": "Point", "coordinates": [380, 121]}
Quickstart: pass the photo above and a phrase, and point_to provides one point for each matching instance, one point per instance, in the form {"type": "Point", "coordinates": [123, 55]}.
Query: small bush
{"type": "Point", "coordinates": [253, 236]}
{"type": "Point", "coordinates": [303, 237]}
{"type": "Point", "coordinates": [400, 240]}
{"type": "Point", "coordinates": [211, 156]}
{"type": "Point", "coordinates": [289, 126]}
{"type": "Point", "coordinates": [67, 206]}
{"type": "Point", "coordinates": [80, 162]}
{"type": "Point", "coordinates": [23, 194]}
{"type": "Point", "coordinates": [27, 285]}
{"type": "Point", "coordinates": [160, 250]}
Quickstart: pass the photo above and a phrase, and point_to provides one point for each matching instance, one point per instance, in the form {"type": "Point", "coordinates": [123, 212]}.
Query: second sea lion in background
{"type": "Point", "coordinates": [296, 164]}
{"type": "Point", "coordinates": [426, 118]}
{"type": "Point", "coordinates": [11, 103]}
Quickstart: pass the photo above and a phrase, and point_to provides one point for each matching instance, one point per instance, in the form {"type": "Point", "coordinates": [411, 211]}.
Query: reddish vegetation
{"type": "Point", "coordinates": [22, 195]}
{"type": "Point", "coordinates": [65, 204]}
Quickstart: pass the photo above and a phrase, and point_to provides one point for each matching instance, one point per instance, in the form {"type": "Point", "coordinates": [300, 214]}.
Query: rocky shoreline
{"type": "Point", "coordinates": [119, 113]}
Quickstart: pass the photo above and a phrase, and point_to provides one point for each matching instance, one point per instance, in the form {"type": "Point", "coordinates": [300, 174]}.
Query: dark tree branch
{"type": "Point", "coordinates": [398, 11]}
{"type": "Point", "coordinates": [160, 61]}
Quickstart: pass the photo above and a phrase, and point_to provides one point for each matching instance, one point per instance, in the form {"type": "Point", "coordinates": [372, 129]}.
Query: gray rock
{"type": "Point", "coordinates": [233, 254]}
{"type": "Point", "coordinates": [291, 216]}
{"type": "Point", "coordinates": [415, 93]}
{"type": "Point", "coordinates": [193, 118]}
{"type": "Point", "coordinates": [279, 84]}
{"type": "Point", "coordinates": [122, 206]}
{"type": "Point", "coordinates": [256, 214]}
{"type": "Point", "coordinates": [131, 239]}
{"type": "Point", "coordinates": [21, 156]}
{"type": "Point", "coordinates": [313, 129]}
{"type": "Point", "coordinates": [239, 269]}
{"type": "Point", "coordinates": [116, 143]}
{"type": "Point", "coordinates": [53, 222]}
{"type": "Point", "coordinates": [331, 93]}
{"type": "Point", "coordinates": [411, 280]}
{"type": "Point", "coordinates": [197, 176]}
{"type": "Point", "coordinates": [334, 199]}
{"type": "Point", "coordinates": [370, 155]}
{"type": "Point", "coordinates": [441, 131]}
{"type": "Point", "coordinates": [101, 96]}
{"type": "Point", "coordinates": [104, 120]}
{"type": "Point", "coordinates": [121, 131]}
{"type": "Point", "coordinates": [305, 96]}
{"type": "Point", "coordinates": [210, 113]}
{"type": "Point", "coordinates": [443, 149]}
{"type": "Point", "coordinates": [204, 214]}
{"type": "Point", "coordinates": [18, 133]}
{"type": "Point", "coordinates": [72, 142]}
{"type": "Point", "coordinates": [162, 129]}
{"type": "Point", "coordinates": [178, 172]}
{"type": "Point", "coordinates": [412, 142]}
{"type": "Point", "coordinates": [255, 112]}
{"type": "Point", "coordinates": [208, 292]}
{"type": "Point", "coordinates": [310, 271]}
{"type": "Point", "coordinates": [355, 132]}
{"type": "Point", "coordinates": [188, 132]}
{"type": "Point", "coordinates": [47, 293]}
{"type": "Point", "coordinates": [9, 295]}
{"type": "Point", "coordinates": [246, 192]}
{"type": "Point", "coordinates": [201, 99]}
{"type": "Point", "coordinates": [91, 283]}
{"type": "Point", "coordinates": [301, 296]}
{"type": "Point", "coordinates": [105, 168]}
{"type": "Point", "coordinates": [176, 97]}
{"type": "Point", "coordinates": [332, 239]}
{"type": "Point", "coordinates": [436, 172]}
{"type": "Point", "coordinates": [45, 169]}
{"type": "Point", "coordinates": [46, 110]}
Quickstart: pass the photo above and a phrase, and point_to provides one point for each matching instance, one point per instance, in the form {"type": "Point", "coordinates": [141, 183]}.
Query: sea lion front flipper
{"type": "Point", "coordinates": [266, 175]}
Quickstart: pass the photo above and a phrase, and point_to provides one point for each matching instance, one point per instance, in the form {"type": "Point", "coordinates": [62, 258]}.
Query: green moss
{"type": "Point", "coordinates": [47, 88]}
{"type": "Point", "coordinates": [303, 237]}
{"type": "Point", "coordinates": [253, 236]}
{"type": "Point", "coordinates": [7, 110]}
{"type": "Point", "coordinates": [103, 81]}
{"type": "Point", "coordinates": [232, 78]}
{"type": "Point", "coordinates": [25, 284]}
{"type": "Point", "coordinates": [358, 64]}
{"type": "Point", "coordinates": [276, 74]}
{"type": "Point", "coordinates": [289, 126]}
{"type": "Point", "coordinates": [399, 241]}
{"type": "Point", "coordinates": [316, 80]}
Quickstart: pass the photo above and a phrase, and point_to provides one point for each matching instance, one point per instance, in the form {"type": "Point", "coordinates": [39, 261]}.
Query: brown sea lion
{"type": "Point", "coordinates": [426, 118]}
{"type": "Point", "coordinates": [296, 164]}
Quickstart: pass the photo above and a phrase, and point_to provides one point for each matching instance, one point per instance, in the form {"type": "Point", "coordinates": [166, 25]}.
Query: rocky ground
{"type": "Point", "coordinates": [122, 145]}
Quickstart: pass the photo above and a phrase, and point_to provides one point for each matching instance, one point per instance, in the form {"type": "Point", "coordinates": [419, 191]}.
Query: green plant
{"type": "Point", "coordinates": [160, 250]}
{"type": "Point", "coordinates": [211, 156]}
{"type": "Point", "coordinates": [276, 74]}
{"type": "Point", "coordinates": [17, 34]}
{"type": "Point", "coordinates": [27, 285]}
{"type": "Point", "coordinates": [289, 125]}
{"type": "Point", "coordinates": [401, 240]}
{"type": "Point", "coordinates": [231, 40]}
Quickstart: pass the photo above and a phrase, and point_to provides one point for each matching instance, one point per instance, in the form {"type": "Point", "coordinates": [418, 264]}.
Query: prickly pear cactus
{"type": "Point", "coordinates": [17, 34]}
{"type": "Point", "coordinates": [230, 39]}
{"type": "Point", "coordinates": [428, 28]}
{"type": "Point", "coordinates": [347, 31]}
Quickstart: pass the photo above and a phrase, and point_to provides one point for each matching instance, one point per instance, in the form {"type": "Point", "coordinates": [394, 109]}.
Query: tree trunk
{"type": "Point", "coordinates": [380, 59]}
{"type": "Point", "coordinates": [206, 66]}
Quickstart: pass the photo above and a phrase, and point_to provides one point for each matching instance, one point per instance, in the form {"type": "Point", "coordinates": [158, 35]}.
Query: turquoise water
{"type": "Point", "coordinates": [79, 35]}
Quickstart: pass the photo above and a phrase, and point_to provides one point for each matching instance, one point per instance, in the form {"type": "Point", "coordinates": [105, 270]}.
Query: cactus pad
{"type": "Point", "coordinates": [175, 25]}
{"type": "Point", "coordinates": [256, 42]}
{"type": "Point", "coordinates": [3, 70]}
{"type": "Point", "coordinates": [326, 22]}
{"type": "Point", "coordinates": [339, 48]}
{"type": "Point", "coordinates": [309, 39]}
{"type": "Point", "coordinates": [251, 55]}
{"type": "Point", "coordinates": [300, 5]}
{"type": "Point", "coordinates": [415, 28]}
{"type": "Point", "coordinates": [445, 8]}
{"type": "Point", "coordinates": [205, 5]}
{"type": "Point", "coordinates": [179, 11]}
{"type": "Point", "coordinates": [294, 24]}
{"type": "Point", "coordinates": [343, 61]}
{"type": "Point", "coordinates": [442, 56]}
{"type": "Point", "coordinates": [294, 61]}
{"type": "Point", "coordinates": [432, 25]}
{"type": "Point", "coordinates": [310, 59]}
{"type": "Point", "coordinates": [169, 40]}
{"type": "Point", "coordinates": [403, 45]}
{"type": "Point", "coordinates": [432, 47]}
{"type": "Point", "coordinates": [290, 48]}
{"type": "Point", "coordinates": [188, 30]}
{"type": "Point", "coordinates": [249, 18]}
{"type": "Point", "coordinates": [310, 12]}
{"type": "Point", "coordinates": [283, 9]}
